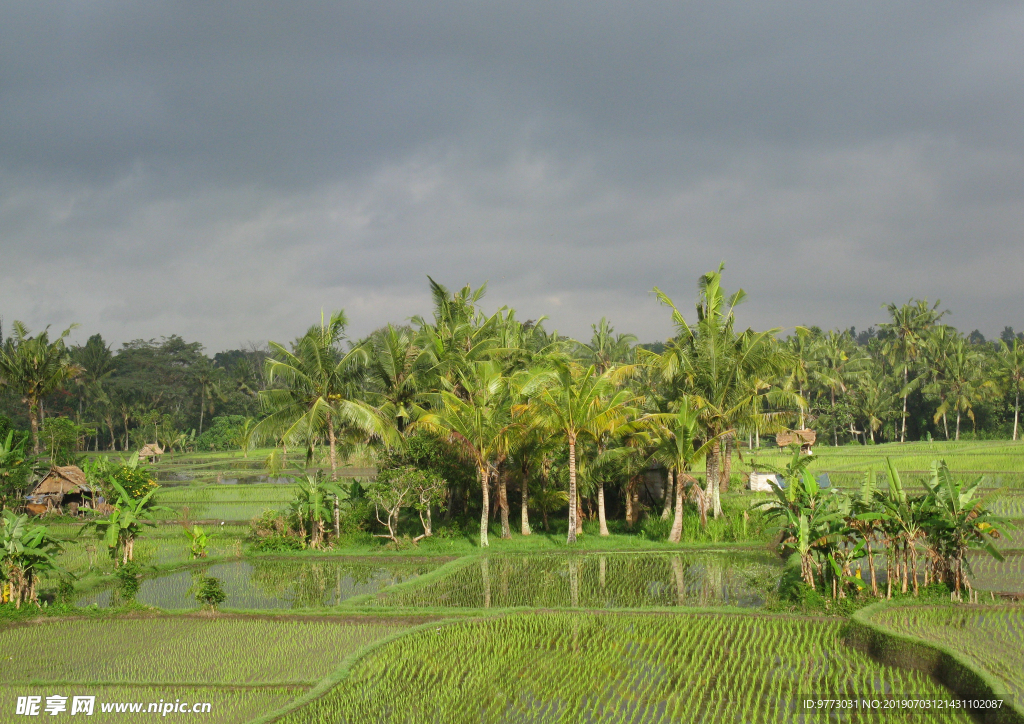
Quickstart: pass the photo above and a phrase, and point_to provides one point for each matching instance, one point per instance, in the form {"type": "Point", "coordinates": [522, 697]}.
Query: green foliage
{"type": "Point", "coordinates": [272, 532]}
{"type": "Point", "coordinates": [62, 437]}
{"type": "Point", "coordinates": [16, 469]}
{"type": "Point", "coordinates": [210, 592]}
{"type": "Point", "coordinates": [198, 541]}
{"type": "Point", "coordinates": [27, 552]}
{"type": "Point", "coordinates": [136, 480]}
{"type": "Point", "coordinates": [128, 582]}
{"type": "Point", "coordinates": [654, 528]}
{"type": "Point", "coordinates": [224, 433]}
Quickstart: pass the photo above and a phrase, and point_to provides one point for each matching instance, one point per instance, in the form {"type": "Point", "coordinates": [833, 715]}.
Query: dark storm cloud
{"type": "Point", "coordinates": [224, 171]}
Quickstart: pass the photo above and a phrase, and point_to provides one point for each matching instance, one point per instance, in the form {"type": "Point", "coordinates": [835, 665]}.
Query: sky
{"type": "Point", "coordinates": [225, 171]}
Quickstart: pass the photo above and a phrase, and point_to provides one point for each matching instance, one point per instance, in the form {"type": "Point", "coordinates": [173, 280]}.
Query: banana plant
{"type": "Point", "coordinates": [961, 522]}
{"type": "Point", "coordinates": [26, 552]}
{"type": "Point", "coordinates": [119, 531]}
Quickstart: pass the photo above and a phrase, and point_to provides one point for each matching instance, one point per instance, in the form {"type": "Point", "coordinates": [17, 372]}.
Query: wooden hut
{"type": "Point", "coordinates": [61, 486]}
{"type": "Point", "coordinates": [803, 438]}
{"type": "Point", "coordinates": [150, 453]}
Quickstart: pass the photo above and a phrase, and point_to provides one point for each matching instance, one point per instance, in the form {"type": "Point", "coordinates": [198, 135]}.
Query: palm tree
{"type": "Point", "coordinates": [35, 367]}
{"type": "Point", "coordinates": [607, 349]}
{"type": "Point", "coordinates": [576, 402]}
{"type": "Point", "coordinates": [875, 402]}
{"type": "Point", "coordinates": [713, 365]}
{"type": "Point", "coordinates": [317, 390]}
{"type": "Point", "coordinates": [905, 342]}
{"type": "Point", "coordinates": [677, 452]}
{"type": "Point", "coordinates": [963, 382]}
{"type": "Point", "coordinates": [206, 377]}
{"type": "Point", "coordinates": [1010, 368]}
{"type": "Point", "coordinates": [479, 421]}
{"type": "Point", "coordinates": [395, 366]}
{"type": "Point", "coordinates": [839, 365]}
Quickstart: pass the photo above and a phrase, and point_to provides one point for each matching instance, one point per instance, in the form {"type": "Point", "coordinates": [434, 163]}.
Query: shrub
{"type": "Point", "coordinates": [136, 481]}
{"type": "Point", "coordinates": [127, 581]}
{"type": "Point", "coordinates": [209, 591]}
{"type": "Point", "coordinates": [654, 528]}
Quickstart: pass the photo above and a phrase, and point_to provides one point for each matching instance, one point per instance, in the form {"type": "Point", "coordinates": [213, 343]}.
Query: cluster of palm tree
{"type": "Point", "coordinates": [831, 531]}
{"type": "Point", "coordinates": [860, 387]}
{"type": "Point", "coordinates": [566, 420]}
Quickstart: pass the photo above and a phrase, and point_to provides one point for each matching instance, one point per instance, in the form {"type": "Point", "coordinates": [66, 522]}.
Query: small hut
{"type": "Point", "coordinates": [150, 453]}
{"type": "Point", "coordinates": [62, 486]}
{"type": "Point", "coordinates": [804, 438]}
{"type": "Point", "coordinates": [762, 482]}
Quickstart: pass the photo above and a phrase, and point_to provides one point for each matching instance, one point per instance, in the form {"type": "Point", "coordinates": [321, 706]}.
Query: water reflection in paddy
{"type": "Point", "coordinates": [274, 583]}
{"type": "Point", "coordinates": [598, 580]}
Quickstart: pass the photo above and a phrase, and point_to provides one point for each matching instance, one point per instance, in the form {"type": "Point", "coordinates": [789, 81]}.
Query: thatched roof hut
{"type": "Point", "coordinates": [150, 452]}
{"type": "Point", "coordinates": [803, 438]}
{"type": "Point", "coordinates": [62, 481]}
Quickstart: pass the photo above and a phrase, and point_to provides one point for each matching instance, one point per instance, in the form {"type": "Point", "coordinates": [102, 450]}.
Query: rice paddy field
{"type": "Point", "coordinates": [242, 667]}
{"type": "Point", "coordinates": [990, 637]}
{"type": "Point", "coordinates": [586, 667]}
{"type": "Point", "coordinates": [619, 630]}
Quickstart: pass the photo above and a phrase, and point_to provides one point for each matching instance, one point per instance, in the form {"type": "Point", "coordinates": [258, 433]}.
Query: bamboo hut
{"type": "Point", "coordinates": [803, 438]}
{"type": "Point", "coordinates": [150, 453]}
{"type": "Point", "coordinates": [61, 486]}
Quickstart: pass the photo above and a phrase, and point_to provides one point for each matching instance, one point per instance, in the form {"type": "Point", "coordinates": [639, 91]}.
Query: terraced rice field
{"type": "Point", "coordinates": [244, 667]}
{"type": "Point", "coordinates": [990, 637]}
{"type": "Point", "coordinates": [276, 583]}
{"type": "Point", "coordinates": [586, 667]}
{"type": "Point", "coordinates": [627, 580]}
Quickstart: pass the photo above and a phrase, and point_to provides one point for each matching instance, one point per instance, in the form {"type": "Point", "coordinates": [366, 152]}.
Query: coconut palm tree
{"type": "Point", "coordinates": [1010, 368]}
{"type": "Point", "coordinates": [317, 390]}
{"type": "Point", "coordinates": [713, 364]}
{"type": "Point", "coordinates": [395, 366]}
{"type": "Point", "coordinates": [35, 367]}
{"type": "Point", "coordinates": [677, 451]}
{"type": "Point", "coordinates": [576, 402]}
{"type": "Point", "coordinates": [905, 339]}
{"type": "Point", "coordinates": [606, 349]}
{"type": "Point", "coordinates": [478, 419]}
{"type": "Point", "coordinates": [963, 381]}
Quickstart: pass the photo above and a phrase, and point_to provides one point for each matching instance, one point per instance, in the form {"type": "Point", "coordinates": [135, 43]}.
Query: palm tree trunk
{"type": "Point", "coordinates": [524, 512]}
{"type": "Point", "coordinates": [506, 531]}
{"type": "Point", "coordinates": [726, 465]}
{"type": "Point", "coordinates": [676, 534]}
{"type": "Point", "coordinates": [485, 508]}
{"type": "Point", "coordinates": [903, 432]}
{"type": "Point", "coordinates": [958, 424]}
{"type": "Point", "coordinates": [572, 490]}
{"type": "Point", "coordinates": [801, 393]}
{"type": "Point", "coordinates": [871, 568]}
{"type": "Point", "coordinates": [600, 509]}
{"type": "Point", "coordinates": [33, 421]}
{"type": "Point", "coordinates": [334, 473]}
{"type": "Point", "coordinates": [579, 513]}
{"type": "Point", "coordinates": [1016, 413]}
{"type": "Point", "coordinates": [710, 485]}
{"type": "Point", "coordinates": [202, 407]}
{"type": "Point", "coordinates": [667, 503]}
{"type": "Point", "coordinates": [945, 426]}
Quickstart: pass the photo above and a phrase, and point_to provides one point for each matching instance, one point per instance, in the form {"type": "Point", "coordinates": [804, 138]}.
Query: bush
{"type": "Point", "coordinates": [209, 591]}
{"type": "Point", "coordinates": [136, 481]}
{"type": "Point", "coordinates": [272, 532]}
{"type": "Point", "coordinates": [128, 581]}
{"type": "Point", "coordinates": [222, 434]}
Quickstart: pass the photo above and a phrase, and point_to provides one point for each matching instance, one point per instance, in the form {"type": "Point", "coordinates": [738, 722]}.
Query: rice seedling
{"type": "Point", "coordinates": [179, 650]}
{"type": "Point", "coordinates": [990, 637]}
{"type": "Point", "coordinates": [580, 667]}
{"type": "Point", "coordinates": [594, 580]}
{"type": "Point", "coordinates": [273, 583]}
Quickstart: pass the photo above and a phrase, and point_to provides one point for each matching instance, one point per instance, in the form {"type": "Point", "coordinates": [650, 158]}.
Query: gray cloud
{"type": "Point", "coordinates": [223, 172]}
